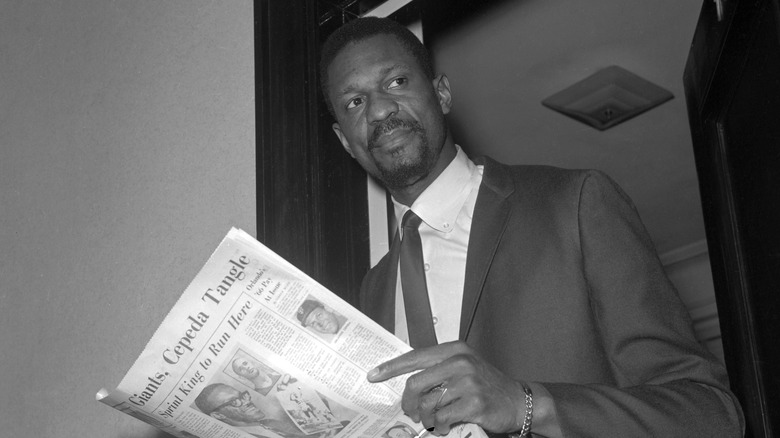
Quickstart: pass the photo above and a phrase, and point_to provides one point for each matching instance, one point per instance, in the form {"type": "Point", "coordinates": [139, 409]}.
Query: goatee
{"type": "Point", "coordinates": [410, 169]}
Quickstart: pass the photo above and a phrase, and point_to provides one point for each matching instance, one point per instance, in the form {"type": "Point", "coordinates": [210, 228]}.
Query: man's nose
{"type": "Point", "coordinates": [380, 107]}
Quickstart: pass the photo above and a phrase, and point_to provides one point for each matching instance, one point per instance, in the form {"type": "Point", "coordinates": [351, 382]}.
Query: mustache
{"type": "Point", "coordinates": [390, 124]}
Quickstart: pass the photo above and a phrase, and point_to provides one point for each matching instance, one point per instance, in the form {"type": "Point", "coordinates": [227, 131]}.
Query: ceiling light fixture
{"type": "Point", "coordinates": [608, 97]}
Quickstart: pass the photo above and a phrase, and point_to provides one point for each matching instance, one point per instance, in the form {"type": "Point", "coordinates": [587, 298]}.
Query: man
{"type": "Point", "coordinates": [313, 314]}
{"type": "Point", "coordinates": [560, 317]}
{"type": "Point", "coordinates": [236, 408]}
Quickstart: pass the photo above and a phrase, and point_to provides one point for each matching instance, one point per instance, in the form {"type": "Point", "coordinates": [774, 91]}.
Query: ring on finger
{"type": "Point", "coordinates": [441, 397]}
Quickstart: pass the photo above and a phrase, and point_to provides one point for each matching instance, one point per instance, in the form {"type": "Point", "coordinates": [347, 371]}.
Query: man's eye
{"type": "Point", "coordinates": [354, 102]}
{"type": "Point", "coordinates": [397, 82]}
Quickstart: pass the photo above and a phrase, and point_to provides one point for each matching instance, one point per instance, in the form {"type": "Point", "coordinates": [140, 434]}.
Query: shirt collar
{"type": "Point", "coordinates": [441, 202]}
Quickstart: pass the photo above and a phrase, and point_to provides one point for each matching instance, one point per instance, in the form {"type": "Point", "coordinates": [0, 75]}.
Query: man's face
{"type": "Point", "coordinates": [323, 321]}
{"type": "Point", "coordinates": [390, 116]}
{"type": "Point", "coordinates": [245, 368]}
{"type": "Point", "coordinates": [234, 405]}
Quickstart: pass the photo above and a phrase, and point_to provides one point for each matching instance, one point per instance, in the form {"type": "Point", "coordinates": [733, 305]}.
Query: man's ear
{"type": "Point", "coordinates": [343, 139]}
{"type": "Point", "coordinates": [442, 86]}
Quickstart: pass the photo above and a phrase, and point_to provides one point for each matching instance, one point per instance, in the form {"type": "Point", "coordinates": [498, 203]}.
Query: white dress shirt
{"type": "Point", "coordinates": [446, 208]}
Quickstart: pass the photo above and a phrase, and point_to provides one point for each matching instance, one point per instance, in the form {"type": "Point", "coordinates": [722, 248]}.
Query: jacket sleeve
{"type": "Point", "coordinates": [669, 385]}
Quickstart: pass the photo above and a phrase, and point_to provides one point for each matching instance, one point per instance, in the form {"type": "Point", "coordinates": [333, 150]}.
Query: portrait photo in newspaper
{"type": "Point", "coordinates": [320, 319]}
{"type": "Point", "coordinates": [252, 372]}
{"type": "Point", "coordinates": [287, 408]}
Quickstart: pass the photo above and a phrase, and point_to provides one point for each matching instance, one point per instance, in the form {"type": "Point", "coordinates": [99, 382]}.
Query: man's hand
{"type": "Point", "coordinates": [476, 392]}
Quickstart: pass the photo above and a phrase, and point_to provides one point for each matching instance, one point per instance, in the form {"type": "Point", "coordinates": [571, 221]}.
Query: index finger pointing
{"type": "Point", "coordinates": [414, 360]}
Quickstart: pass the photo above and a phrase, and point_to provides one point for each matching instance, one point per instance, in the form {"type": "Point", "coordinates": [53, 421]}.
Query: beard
{"type": "Point", "coordinates": [404, 171]}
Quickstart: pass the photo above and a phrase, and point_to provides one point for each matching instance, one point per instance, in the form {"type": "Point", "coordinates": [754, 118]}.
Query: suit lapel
{"type": "Point", "coordinates": [491, 214]}
{"type": "Point", "coordinates": [380, 293]}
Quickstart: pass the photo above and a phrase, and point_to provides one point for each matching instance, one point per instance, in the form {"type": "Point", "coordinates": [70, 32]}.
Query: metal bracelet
{"type": "Point", "coordinates": [529, 414]}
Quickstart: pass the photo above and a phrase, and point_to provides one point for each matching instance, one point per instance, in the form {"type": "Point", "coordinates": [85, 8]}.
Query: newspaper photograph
{"type": "Point", "coordinates": [256, 348]}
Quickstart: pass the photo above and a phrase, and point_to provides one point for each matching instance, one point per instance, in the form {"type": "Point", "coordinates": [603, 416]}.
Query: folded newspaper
{"type": "Point", "coordinates": [256, 348]}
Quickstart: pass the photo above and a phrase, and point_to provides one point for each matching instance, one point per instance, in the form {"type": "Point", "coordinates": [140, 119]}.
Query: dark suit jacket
{"type": "Point", "coordinates": [563, 287]}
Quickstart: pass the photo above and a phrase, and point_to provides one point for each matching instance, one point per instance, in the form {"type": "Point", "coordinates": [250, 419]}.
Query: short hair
{"type": "Point", "coordinates": [202, 400]}
{"type": "Point", "coordinates": [367, 27]}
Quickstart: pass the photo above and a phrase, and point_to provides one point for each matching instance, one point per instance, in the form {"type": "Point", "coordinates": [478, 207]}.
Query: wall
{"type": "Point", "coordinates": [126, 153]}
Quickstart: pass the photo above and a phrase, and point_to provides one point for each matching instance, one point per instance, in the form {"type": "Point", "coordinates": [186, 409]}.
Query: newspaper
{"type": "Point", "coordinates": [256, 348]}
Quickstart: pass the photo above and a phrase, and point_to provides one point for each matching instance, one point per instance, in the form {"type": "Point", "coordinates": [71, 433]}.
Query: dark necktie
{"type": "Point", "coordinates": [418, 309]}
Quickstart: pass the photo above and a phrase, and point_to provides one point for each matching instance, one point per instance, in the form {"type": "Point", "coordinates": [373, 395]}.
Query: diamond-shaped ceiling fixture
{"type": "Point", "coordinates": [608, 97]}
